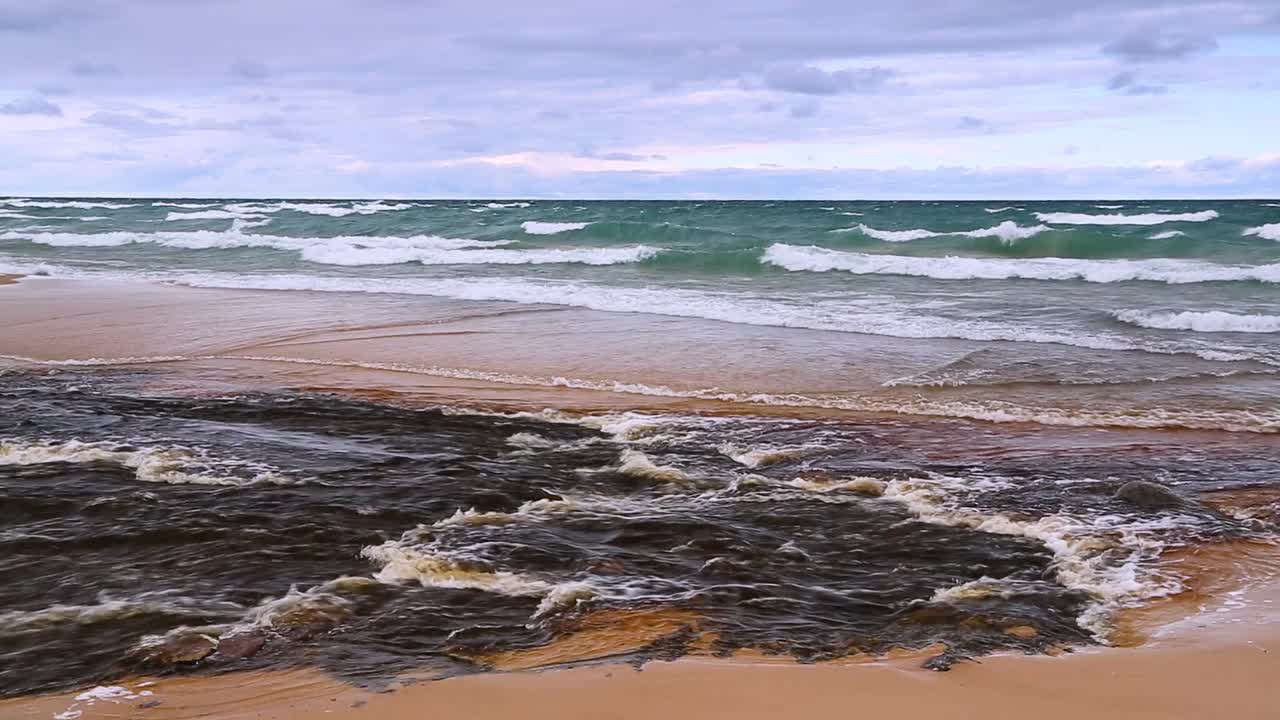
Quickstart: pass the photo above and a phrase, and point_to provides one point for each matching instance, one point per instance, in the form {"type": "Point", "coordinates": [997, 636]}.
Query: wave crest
{"type": "Point", "coordinates": [1207, 322]}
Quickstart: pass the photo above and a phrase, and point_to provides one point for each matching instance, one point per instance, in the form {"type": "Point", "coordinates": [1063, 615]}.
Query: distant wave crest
{"type": "Point", "coordinates": [1208, 322]}
{"type": "Point", "coordinates": [1067, 218]}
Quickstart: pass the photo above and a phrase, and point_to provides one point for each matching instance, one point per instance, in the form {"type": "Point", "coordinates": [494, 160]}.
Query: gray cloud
{"type": "Point", "coordinates": [86, 68]}
{"type": "Point", "coordinates": [805, 109]}
{"type": "Point", "coordinates": [249, 70]}
{"type": "Point", "coordinates": [809, 80]}
{"type": "Point", "coordinates": [968, 122]}
{"type": "Point", "coordinates": [133, 123]}
{"type": "Point", "coordinates": [22, 17]}
{"type": "Point", "coordinates": [1154, 46]}
{"type": "Point", "coordinates": [31, 106]}
{"type": "Point", "coordinates": [1126, 83]}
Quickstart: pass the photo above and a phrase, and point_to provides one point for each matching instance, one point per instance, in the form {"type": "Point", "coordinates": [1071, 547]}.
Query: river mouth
{"type": "Point", "coordinates": [150, 531]}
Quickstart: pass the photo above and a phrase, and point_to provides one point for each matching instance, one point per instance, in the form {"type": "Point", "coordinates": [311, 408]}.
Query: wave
{"type": "Point", "coordinates": [1167, 235]}
{"type": "Point", "coordinates": [1066, 218]}
{"type": "Point", "coordinates": [1109, 207]}
{"type": "Point", "coordinates": [533, 227]}
{"type": "Point", "coordinates": [1167, 270]}
{"type": "Point", "coordinates": [210, 215]}
{"type": "Point", "coordinates": [1207, 322]}
{"type": "Point", "coordinates": [500, 206]}
{"type": "Point", "coordinates": [434, 256]}
{"type": "Point", "coordinates": [353, 250]}
{"type": "Point", "coordinates": [170, 465]}
{"type": "Point", "coordinates": [1007, 231]}
{"type": "Point", "coordinates": [76, 204]}
{"type": "Point", "coordinates": [1000, 209]}
{"type": "Point", "coordinates": [368, 208]}
{"type": "Point", "coordinates": [1266, 232]}
{"type": "Point", "coordinates": [187, 206]}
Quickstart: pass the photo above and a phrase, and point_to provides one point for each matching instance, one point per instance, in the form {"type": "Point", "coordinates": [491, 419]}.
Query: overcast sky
{"type": "Point", "coordinates": [602, 98]}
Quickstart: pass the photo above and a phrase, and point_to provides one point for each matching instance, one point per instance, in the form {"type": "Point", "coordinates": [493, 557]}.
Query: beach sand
{"type": "Point", "coordinates": [1210, 652]}
{"type": "Point", "coordinates": [9, 279]}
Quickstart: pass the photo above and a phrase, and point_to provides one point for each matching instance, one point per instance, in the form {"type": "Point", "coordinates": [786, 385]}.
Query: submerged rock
{"type": "Point", "coordinates": [1150, 496]}
{"type": "Point", "coordinates": [240, 646]}
{"type": "Point", "coordinates": [177, 648]}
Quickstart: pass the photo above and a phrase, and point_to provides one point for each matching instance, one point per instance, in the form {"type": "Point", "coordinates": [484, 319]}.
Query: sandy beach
{"type": "Point", "coordinates": [1211, 649]}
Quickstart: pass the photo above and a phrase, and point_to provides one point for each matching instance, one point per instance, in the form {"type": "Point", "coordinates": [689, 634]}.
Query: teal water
{"type": "Point", "coordinates": [1064, 293]}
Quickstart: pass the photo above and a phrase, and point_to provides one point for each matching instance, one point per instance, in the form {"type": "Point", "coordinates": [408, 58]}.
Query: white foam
{"type": "Point", "coordinates": [312, 208]}
{"type": "Point", "coordinates": [1166, 270]}
{"type": "Point", "coordinates": [186, 206]}
{"type": "Point", "coordinates": [351, 249]}
{"type": "Point", "coordinates": [534, 227]}
{"type": "Point", "coordinates": [170, 465]}
{"type": "Point", "coordinates": [1266, 232]}
{"type": "Point", "coordinates": [500, 206]}
{"type": "Point", "coordinates": [1109, 207]}
{"type": "Point", "coordinates": [1000, 209]}
{"type": "Point", "coordinates": [210, 215]}
{"type": "Point", "coordinates": [1167, 234]}
{"type": "Point", "coordinates": [77, 204]}
{"type": "Point", "coordinates": [1109, 557]}
{"type": "Point", "coordinates": [1207, 322]}
{"type": "Point", "coordinates": [1066, 218]}
{"type": "Point", "coordinates": [1007, 231]}
{"type": "Point", "coordinates": [637, 464]}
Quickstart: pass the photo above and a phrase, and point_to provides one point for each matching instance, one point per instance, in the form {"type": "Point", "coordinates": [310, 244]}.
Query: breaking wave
{"type": "Point", "coordinates": [1214, 321]}
{"type": "Point", "coordinates": [533, 227]}
{"type": "Point", "coordinates": [1068, 218]}
{"type": "Point", "coordinates": [1007, 231]}
{"type": "Point", "coordinates": [1165, 270]}
{"type": "Point", "coordinates": [1266, 232]}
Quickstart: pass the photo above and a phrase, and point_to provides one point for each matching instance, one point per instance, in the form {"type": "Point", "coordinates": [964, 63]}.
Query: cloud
{"type": "Point", "coordinates": [1154, 46]}
{"type": "Point", "coordinates": [31, 106]}
{"type": "Point", "coordinates": [1126, 83]}
{"type": "Point", "coordinates": [22, 17]}
{"type": "Point", "coordinates": [805, 109]}
{"type": "Point", "coordinates": [968, 122]}
{"type": "Point", "coordinates": [249, 70]}
{"type": "Point", "coordinates": [810, 80]}
{"type": "Point", "coordinates": [132, 123]}
{"type": "Point", "coordinates": [85, 68]}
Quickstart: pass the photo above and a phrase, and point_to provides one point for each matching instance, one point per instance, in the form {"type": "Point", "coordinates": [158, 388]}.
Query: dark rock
{"type": "Point", "coordinates": [1150, 496]}
{"type": "Point", "coordinates": [178, 648]}
{"type": "Point", "coordinates": [240, 646]}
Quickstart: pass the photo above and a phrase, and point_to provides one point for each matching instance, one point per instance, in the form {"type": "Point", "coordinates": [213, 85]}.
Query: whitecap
{"type": "Point", "coordinates": [534, 227]}
{"type": "Point", "coordinates": [1167, 234]}
{"type": "Point", "coordinates": [1066, 218]}
{"type": "Point", "coordinates": [1007, 231]}
{"type": "Point", "coordinates": [1266, 232]}
{"type": "Point", "coordinates": [1166, 270]}
{"type": "Point", "coordinates": [1213, 321]}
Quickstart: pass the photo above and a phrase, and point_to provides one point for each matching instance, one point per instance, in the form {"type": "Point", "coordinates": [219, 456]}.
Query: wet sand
{"type": "Point", "coordinates": [9, 279]}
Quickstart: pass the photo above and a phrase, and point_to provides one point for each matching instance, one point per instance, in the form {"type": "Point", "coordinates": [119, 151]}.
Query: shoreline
{"type": "Point", "coordinates": [1222, 660]}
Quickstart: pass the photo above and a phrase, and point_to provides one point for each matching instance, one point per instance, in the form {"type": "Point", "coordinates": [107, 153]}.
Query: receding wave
{"type": "Point", "coordinates": [1167, 235]}
{"type": "Point", "coordinates": [534, 227]}
{"type": "Point", "coordinates": [1165, 270]}
{"type": "Point", "coordinates": [989, 411]}
{"type": "Point", "coordinates": [1208, 322]}
{"type": "Point", "coordinates": [1266, 232]}
{"type": "Point", "coordinates": [1007, 231]}
{"type": "Point", "coordinates": [1067, 218]}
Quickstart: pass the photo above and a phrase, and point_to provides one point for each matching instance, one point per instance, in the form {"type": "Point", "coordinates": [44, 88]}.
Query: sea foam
{"type": "Point", "coordinates": [1067, 218]}
{"type": "Point", "coordinates": [1208, 322]}
{"type": "Point", "coordinates": [1165, 270]}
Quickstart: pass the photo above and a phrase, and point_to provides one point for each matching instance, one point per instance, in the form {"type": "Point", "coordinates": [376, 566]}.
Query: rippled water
{"type": "Point", "coordinates": [176, 533]}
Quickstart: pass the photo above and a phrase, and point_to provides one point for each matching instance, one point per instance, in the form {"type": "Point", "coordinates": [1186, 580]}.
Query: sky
{"type": "Point", "coordinates": [654, 99]}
